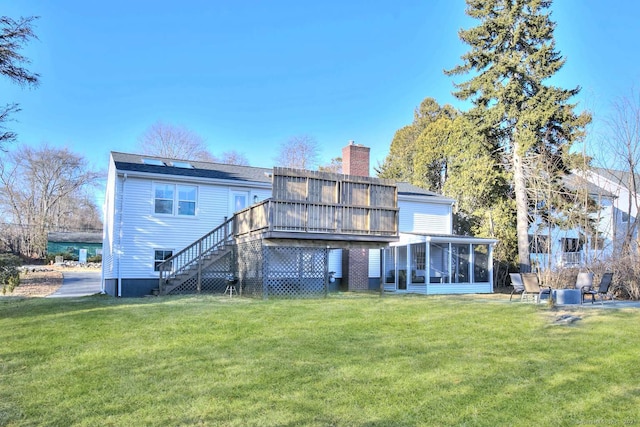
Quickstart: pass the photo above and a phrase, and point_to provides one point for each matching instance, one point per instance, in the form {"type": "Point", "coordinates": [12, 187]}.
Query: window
{"type": "Point", "coordinates": [439, 260]}
{"type": "Point", "coordinates": [388, 255]}
{"type": "Point", "coordinates": [597, 241]}
{"type": "Point", "coordinates": [571, 245]}
{"type": "Point", "coordinates": [164, 199]}
{"type": "Point", "coordinates": [153, 162]}
{"type": "Point", "coordinates": [160, 256]}
{"type": "Point", "coordinates": [480, 263]}
{"type": "Point", "coordinates": [183, 165]}
{"type": "Point", "coordinates": [170, 199]}
{"type": "Point", "coordinates": [418, 262]}
{"type": "Point", "coordinates": [539, 244]}
{"type": "Point", "coordinates": [186, 200]}
{"type": "Point", "coordinates": [460, 263]}
{"type": "Point", "coordinates": [624, 217]}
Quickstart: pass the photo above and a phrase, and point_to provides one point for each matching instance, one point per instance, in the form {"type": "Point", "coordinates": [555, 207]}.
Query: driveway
{"type": "Point", "coordinates": [78, 284]}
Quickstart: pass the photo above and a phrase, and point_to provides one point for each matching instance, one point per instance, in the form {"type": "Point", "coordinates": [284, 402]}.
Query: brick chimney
{"type": "Point", "coordinates": [355, 159]}
{"type": "Point", "coordinates": [355, 262]}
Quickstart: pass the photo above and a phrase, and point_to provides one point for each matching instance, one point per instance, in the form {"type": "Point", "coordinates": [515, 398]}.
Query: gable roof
{"type": "Point", "coordinates": [127, 162]}
{"type": "Point", "coordinates": [621, 178]}
{"type": "Point", "coordinates": [75, 237]}
{"type": "Point", "coordinates": [576, 182]}
{"type": "Point", "coordinates": [410, 189]}
{"type": "Point", "coordinates": [134, 163]}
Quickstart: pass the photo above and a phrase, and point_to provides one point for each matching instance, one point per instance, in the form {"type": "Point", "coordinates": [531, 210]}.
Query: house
{"type": "Point", "coordinates": [190, 226]}
{"type": "Point", "coordinates": [615, 219]}
{"type": "Point", "coordinates": [620, 215]}
{"type": "Point", "coordinates": [72, 242]}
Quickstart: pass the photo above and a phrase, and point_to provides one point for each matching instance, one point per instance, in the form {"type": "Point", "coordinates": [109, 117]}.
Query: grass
{"type": "Point", "coordinates": [348, 360]}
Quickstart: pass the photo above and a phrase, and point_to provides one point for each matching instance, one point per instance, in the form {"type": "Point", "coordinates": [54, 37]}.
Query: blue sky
{"type": "Point", "coordinates": [248, 75]}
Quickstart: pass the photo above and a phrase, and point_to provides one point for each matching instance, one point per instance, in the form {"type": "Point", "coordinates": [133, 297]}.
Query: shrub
{"type": "Point", "coordinates": [9, 274]}
{"type": "Point", "coordinates": [67, 256]}
{"type": "Point", "coordinates": [564, 278]}
{"type": "Point", "coordinates": [626, 275]}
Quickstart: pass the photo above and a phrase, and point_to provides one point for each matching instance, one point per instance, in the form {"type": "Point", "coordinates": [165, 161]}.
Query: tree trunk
{"type": "Point", "coordinates": [522, 208]}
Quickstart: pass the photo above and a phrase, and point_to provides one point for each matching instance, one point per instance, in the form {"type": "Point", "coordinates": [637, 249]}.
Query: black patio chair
{"type": "Point", "coordinates": [603, 289]}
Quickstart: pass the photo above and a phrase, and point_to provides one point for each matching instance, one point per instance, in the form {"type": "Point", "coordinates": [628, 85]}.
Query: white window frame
{"type": "Point", "coordinates": [158, 261]}
{"type": "Point", "coordinates": [175, 200]}
{"type": "Point", "coordinates": [193, 188]}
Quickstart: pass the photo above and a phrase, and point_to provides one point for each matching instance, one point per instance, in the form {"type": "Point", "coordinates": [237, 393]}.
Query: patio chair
{"type": "Point", "coordinates": [603, 289]}
{"type": "Point", "coordinates": [518, 286]}
{"type": "Point", "coordinates": [532, 287]}
{"type": "Point", "coordinates": [584, 282]}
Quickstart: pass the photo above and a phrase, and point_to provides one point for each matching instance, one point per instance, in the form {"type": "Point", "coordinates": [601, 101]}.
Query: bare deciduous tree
{"type": "Point", "coordinates": [174, 142]}
{"type": "Point", "coordinates": [335, 166]}
{"type": "Point", "coordinates": [234, 157]}
{"type": "Point", "coordinates": [40, 190]}
{"type": "Point", "coordinates": [300, 152]}
{"type": "Point", "coordinates": [13, 36]}
{"type": "Point", "coordinates": [622, 153]}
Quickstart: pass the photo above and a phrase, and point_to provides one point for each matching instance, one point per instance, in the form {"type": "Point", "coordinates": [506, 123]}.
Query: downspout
{"type": "Point", "coordinates": [119, 291]}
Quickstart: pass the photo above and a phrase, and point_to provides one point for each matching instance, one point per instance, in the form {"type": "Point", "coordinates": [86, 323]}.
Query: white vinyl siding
{"type": "Point", "coordinates": [335, 262]}
{"type": "Point", "coordinates": [460, 288]}
{"type": "Point", "coordinates": [429, 218]}
{"type": "Point", "coordinates": [110, 221]}
{"type": "Point", "coordinates": [143, 231]}
{"type": "Point", "coordinates": [374, 262]}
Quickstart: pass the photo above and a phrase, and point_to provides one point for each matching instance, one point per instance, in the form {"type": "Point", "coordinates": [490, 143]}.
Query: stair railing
{"type": "Point", "coordinates": [189, 257]}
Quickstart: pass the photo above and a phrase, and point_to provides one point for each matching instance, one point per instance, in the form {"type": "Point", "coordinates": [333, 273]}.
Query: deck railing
{"type": "Point", "coordinates": [295, 215]}
{"type": "Point", "coordinates": [571, 258]}
{"type": "Point", "coordinates": [191, 256]}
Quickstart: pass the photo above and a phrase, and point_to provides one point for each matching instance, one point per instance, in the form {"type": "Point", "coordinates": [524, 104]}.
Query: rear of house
{"type": "Point", "coordinates": [157, 210]}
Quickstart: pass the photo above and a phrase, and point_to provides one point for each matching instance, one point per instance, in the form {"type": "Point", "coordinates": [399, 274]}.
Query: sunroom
{"type": "Point", "coordinates": [432, 264]}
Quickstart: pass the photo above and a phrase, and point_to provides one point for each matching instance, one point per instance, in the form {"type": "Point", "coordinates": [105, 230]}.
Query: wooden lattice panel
{"type": "Point", "coordinates": [250, 267]}
{"type": "Point", "coordinates": [292, 272]}
{"type": "Point", "coordinates": [213, 278]}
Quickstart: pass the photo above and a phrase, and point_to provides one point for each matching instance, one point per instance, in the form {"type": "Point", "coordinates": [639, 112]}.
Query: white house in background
{"type": "Point", "coordinates": [615, 218]}
{"type": "Point", "coordinates": [188, 226]}
{"type": "Point", "coordinates": [620, 217]}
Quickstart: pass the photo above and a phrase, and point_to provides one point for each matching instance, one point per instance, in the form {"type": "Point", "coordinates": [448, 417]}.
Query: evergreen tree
{"type": "Point", "coordinates": [14, 35]}
{"type": "Point", "coordinates": [512, 55]}
{"type": "Point", "coordinates": [417, 154]}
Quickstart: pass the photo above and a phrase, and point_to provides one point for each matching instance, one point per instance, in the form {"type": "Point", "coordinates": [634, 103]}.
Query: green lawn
{"type": "Point", "coordinates": [348, 360]}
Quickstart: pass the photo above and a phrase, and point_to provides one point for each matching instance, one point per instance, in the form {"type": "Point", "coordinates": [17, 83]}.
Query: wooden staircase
{"type": "Point", "coordinates": [192, 260]}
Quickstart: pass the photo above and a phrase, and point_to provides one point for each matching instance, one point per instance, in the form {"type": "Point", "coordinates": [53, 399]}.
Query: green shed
{"type": "Point", "coordinates": [72, 242]}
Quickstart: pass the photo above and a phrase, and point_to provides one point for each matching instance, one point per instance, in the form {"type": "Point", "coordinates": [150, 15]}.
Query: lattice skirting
{"type": "Point", "coordinates": [250, 268]}
{"type": "Point", "coordinates": [283, 272]}
{"type": "Point", "coordinates": [266, 271]}
{"type": "Point", "coordinates": [213, 279]}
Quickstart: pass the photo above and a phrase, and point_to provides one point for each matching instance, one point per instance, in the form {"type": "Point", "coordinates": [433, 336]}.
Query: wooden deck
{"type": "Point", "coordinates": [319, 206]}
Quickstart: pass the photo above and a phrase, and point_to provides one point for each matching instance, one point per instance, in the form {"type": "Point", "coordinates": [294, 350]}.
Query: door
{"type": "Point", "coordinates": [402, 268]}
{"type": "Point", "coordinates": [239, 200]}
